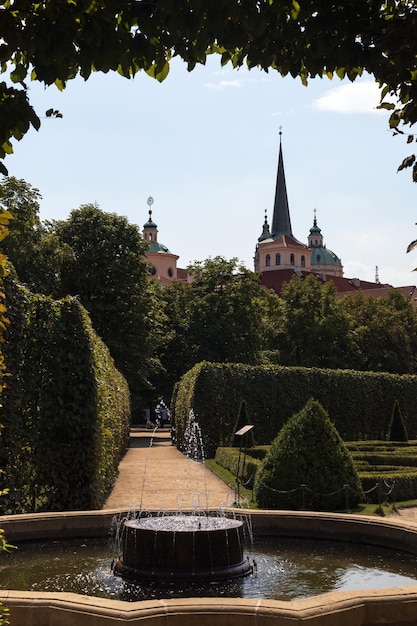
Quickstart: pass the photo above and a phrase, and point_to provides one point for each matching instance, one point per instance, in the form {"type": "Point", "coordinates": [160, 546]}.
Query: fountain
{"type": "Point", "coordinates": [68, 607]}
{"type": "Point", "coordinates": [183, 547]}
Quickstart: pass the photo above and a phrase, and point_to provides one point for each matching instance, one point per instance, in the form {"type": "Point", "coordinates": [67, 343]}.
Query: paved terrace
{"type": "Point", "coordinates": [154, 475]}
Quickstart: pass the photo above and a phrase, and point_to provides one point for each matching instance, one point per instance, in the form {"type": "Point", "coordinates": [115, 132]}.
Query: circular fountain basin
{"type": "Point", "coordinates": [182, 547]}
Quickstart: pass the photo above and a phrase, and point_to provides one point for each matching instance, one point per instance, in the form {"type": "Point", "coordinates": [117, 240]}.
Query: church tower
{"type": "Point", "coordinates": [163, 264]}
{"type": "Point", "coordinates": [322, 260]}
{"type": "Point", "coordinates": [277, 248]}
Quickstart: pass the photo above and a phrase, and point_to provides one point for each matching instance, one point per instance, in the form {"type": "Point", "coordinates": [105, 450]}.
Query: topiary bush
{"type": "Point", "coordinates": [397, 430]}
{"type": "Point", "coordinates": [308, 451]}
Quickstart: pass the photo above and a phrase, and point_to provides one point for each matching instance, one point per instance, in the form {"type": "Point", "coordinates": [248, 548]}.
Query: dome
{"type": "Point", "coordinates": [150, 224]}
{"type": "Point", "coordinates": [315, 230]}
{"type": "Point", "coordinates": [324, 256]}
{"type": "Point", "coordinates": [158, 247]}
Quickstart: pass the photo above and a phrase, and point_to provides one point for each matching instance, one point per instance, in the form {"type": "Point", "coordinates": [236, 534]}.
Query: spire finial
{"type": "Point", "coordinates": [315, 218]}
{"type": "Point", "coordinates": [266, 218]}
{"type": "Point", "coordinates": [149, 202]}
{"type": "Point", "coordinates": [281, 222]}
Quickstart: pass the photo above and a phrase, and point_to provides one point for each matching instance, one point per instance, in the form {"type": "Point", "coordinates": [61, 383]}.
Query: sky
{"type": "Point", "coordinates": [204, 145]}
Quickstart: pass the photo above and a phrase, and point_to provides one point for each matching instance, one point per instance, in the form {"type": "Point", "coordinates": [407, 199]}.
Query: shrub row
{"type": "Point", "coordinates": [385, 459]}
{"type": "Point", "coordinates": [66, 409]}
{"type": "Point", "coordinates": [405, 486]}
{"type": "Point", "coordinates": [370, 474]}
{"type": "Point", "coordinates": [229, 459]}
{"type": "Point", "coordinates": [359, 403]}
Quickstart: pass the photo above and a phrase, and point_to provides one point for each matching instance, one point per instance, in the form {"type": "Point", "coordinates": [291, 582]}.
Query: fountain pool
{"type": "Point", "coordinates": [287, 569]}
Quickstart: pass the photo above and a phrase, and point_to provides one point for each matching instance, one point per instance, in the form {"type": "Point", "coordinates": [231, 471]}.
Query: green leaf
{"type": "Point", "coordinates": [295, 10]}
{"type": "Point", "coordinates": [386, 105]}
{"type": "Point", "coordinates": [412, 245]}
{"type": "Point", "coordinates": [407, 162]}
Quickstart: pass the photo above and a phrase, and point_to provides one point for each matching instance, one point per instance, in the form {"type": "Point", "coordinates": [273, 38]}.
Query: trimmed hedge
{"type": "Point", "coordinates": [66, 409]}
{"type": "Point", "coordinates": [370, 472]}
{"type": "Point", "coordinates": [359, 403]}
{"type": "Point", "coordinates": [229, 459]}
{"type": "Point", "coordinates": [405, 486]}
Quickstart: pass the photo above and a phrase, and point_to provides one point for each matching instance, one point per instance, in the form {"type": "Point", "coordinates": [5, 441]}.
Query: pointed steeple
{"type": "Point", "coordinates": [281, 222]}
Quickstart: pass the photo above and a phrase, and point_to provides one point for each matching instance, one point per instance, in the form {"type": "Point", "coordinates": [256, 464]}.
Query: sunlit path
{"type": "Point", "coordinates": [159, 477]}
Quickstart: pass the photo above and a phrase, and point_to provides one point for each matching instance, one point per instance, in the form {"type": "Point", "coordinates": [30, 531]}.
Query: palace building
{"type": "Point", "coordinates": [279, 255]}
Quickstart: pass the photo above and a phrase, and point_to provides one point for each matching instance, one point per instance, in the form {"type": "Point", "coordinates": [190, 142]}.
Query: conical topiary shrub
{"type": "Point", "coordinates": [308, 451]}
{"type": "Point", "coordinates": [397, 430]}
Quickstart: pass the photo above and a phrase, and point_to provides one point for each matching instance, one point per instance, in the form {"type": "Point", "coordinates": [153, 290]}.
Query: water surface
{"type": "Point", "coordinates": [287, 569]}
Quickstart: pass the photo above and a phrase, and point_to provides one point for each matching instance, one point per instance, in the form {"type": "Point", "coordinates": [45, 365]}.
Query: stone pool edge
{"type": "Point", "coordinates": [392, 607]}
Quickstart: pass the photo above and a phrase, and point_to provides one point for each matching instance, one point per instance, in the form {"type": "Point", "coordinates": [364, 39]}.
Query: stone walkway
{"type": "Point", "coordinates": [155, 476]}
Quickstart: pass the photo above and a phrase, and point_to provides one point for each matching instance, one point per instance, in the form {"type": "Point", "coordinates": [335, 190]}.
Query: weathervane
{"type": "Point", "coordinates": [150, 203]}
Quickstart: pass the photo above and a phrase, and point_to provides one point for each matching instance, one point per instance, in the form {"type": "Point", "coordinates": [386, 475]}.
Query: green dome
{"type": "Point", "coordinates": [150, 224]}
{"type": "Point", "coordinates": [315, 230]}
{"type": "Point", "coordinates": [324, 256]}
{"type": "Point", "coordinates": [158, 247]}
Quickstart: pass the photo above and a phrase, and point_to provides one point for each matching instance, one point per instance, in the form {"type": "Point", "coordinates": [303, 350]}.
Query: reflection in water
{"type": "Point", "coordinates": [287, 569]}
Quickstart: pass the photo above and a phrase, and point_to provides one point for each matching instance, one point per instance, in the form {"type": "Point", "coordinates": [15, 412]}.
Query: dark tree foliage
{"type": "Point", "coordinates": [314, 330]}
{"type": "Point", "coordinates": [31, 246]}
{"type": "Point", "coordinates": [53, 42]}
{"type": "Point", "coordinates": [397, 428]}
{"type": "Point", "coordinates": [109, 274]}
{"type": "Point", "coordinates": [213, 318]}
{"type": "Point", "coordinates": [385, 330]}
{"type": "Point", "coordinates": [308, 451]}
{"type": "Point", "coordinates": [21, 200]}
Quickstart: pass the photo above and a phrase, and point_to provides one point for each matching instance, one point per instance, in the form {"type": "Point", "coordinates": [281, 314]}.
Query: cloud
{"type": "Point", "coordinates": [357, 97]}
{"type": "Point", "coordinates": [225, 84]}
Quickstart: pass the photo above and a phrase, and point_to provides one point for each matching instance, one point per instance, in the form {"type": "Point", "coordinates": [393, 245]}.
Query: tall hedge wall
{"type": "Point", "coordinates": [359, 403]}
{"type": "Point", "coordinates": [66, 409]}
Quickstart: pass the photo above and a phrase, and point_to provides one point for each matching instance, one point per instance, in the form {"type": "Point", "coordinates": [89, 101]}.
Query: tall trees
{"type": "Point", "coordinates": [214, 318]}
{"type": "Point", "coordinates": [386, 332]}
{"type": "Point", "coordinates": [109, 274]}
{"type": "Point", "coordinates": [98, 257]}
{"type": "Point", "coordinates": [22, 201]}
{"type": "Point", "coordinates": [315, 330]}
{"type": "Point", "coordinates": [35, 251]}
{"type": "Point", "coordinates": [52, 42]}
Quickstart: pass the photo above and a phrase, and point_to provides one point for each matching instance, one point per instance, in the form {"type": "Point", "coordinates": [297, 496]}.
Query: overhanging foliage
{"type": "Point", "coordinates": [53, 42]}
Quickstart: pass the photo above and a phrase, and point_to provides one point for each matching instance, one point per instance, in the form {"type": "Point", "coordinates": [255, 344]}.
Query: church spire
{"type": "Point", "coordinates": [281, 222]}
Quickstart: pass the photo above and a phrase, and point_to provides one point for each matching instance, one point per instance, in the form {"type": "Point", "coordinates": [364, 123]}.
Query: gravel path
{"type": "Point", "coordinates": [154, 475]}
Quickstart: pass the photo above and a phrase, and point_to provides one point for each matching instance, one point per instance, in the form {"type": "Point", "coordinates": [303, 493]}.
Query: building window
{"type": "Point", "coordinates": [268, 260]}
{"type": "Point", "coordinates": [170, 272]}
{"type": "Point", "coordinates": [153, 270]}
{"type": "Point", "coordinates": [303, 261]}
{"type": "Point", "coordinates": [277, 259]}
{"type": "Point", "coordinates": [318, 258]}
{"type": "Point", "coordinates": [292, 260]}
